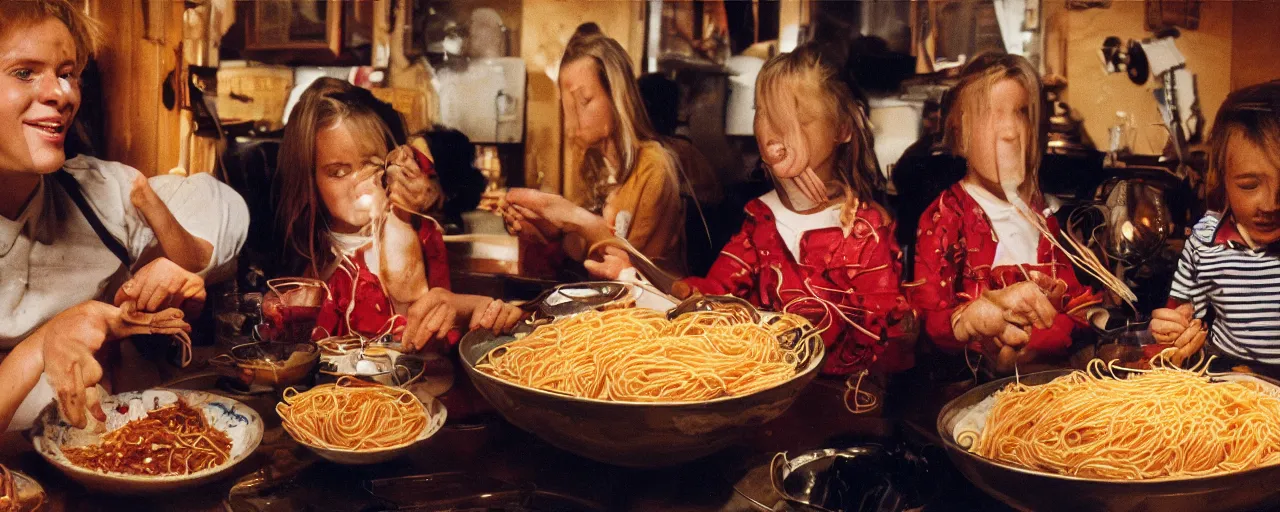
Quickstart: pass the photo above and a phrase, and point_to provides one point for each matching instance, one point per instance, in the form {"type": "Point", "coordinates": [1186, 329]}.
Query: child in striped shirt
{"type": "Point", "coordinates": [1227, 286]}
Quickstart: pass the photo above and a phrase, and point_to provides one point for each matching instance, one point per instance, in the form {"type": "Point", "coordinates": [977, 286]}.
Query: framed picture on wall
{"type": "Point", "coordinates": [1162, 14]}
{"type": "Point", "coordinates": [295, 25]}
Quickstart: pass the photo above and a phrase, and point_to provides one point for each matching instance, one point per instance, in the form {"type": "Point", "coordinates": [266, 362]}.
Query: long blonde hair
{"type": "Point", "coordinates": [631, 122]}
{"type": "Point", "coordinates": [969, 99]}
{"type": "Point", "coordinates": [779, 87]}
{"type": "Point", "coordinates": [301, 216]}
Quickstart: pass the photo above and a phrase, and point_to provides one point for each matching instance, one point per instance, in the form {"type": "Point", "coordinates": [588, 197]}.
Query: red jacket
{"type": "Point", "coordinates": [855, 274]}
{"type": "Point", "coordinates": [955, 247]}
{"type": "Point", "coordinates": [373, 310]}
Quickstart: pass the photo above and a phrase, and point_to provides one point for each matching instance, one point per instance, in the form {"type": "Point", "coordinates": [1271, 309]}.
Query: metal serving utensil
{"type": "Point", "coordinates": [659, 278]}
{"type": "Point", "coordinates": [571, 299]}
{"type": "Point", "coordinates": [724, 303]}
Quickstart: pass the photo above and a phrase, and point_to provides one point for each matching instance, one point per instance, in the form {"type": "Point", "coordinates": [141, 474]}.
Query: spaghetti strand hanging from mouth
{"type": "Point", "coordinates": [1081, 256]}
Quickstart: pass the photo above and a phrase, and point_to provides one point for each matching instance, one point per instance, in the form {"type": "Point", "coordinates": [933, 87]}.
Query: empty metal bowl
{"type": "Point", "coordinates": [268, 363]}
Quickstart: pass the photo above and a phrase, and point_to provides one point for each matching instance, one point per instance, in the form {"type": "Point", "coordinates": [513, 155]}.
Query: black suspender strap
{"type": "Point", "coordinates": [72, 188]}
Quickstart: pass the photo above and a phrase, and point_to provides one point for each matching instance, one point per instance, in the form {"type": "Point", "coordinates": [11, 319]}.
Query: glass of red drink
{"type": "Point", "coordinates": [290, 309]}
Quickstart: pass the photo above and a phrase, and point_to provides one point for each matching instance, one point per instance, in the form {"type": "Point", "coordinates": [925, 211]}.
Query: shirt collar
{"type": "Point", "coordinates": [25, 223]}
{"type": "Point", "coordinates": [1231, 235]}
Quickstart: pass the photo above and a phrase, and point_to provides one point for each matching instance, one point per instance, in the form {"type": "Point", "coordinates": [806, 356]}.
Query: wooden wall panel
{"type": "Point", "coordinates": [1256, 29]}
{"type": "Point", "coordinates": [1097, 96]}
{"type": "Point", "coordinates": [139, 130]}
{"type": "Point", "coordinates": [547, 26]}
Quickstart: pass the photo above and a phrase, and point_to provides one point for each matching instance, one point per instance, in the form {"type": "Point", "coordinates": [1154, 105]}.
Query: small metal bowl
{"type": "Point", "coordinates": [386, 366]}
{"type": "Point", "coordinates": [802, 481]}
{"type": "Point", "coordinates": [268, 363]}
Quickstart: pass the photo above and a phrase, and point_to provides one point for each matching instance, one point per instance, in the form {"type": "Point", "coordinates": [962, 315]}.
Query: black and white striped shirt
{"type": "Point", "coordinates": [1242, 285]}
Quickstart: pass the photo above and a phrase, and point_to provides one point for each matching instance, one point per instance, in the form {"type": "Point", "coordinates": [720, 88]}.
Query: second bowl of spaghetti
{"type": "Point", "coordinates": [356, 422]}
{"type": "Point", "coordinates": [631, 387]}
{"type": "Point", "coordinates": [1110, 439]}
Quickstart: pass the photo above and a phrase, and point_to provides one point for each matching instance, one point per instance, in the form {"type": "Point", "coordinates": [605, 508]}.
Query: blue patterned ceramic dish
{"type": "Point", "coordinates": [51, 433]}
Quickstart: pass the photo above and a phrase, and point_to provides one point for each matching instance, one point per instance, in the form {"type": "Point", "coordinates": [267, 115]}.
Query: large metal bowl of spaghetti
{"type": "Point", "coordinates": [1029, 489]}
{"type": "Point", "coordinates": [238, 421]}
{"type": "Point", "coordinates": [633, 434]}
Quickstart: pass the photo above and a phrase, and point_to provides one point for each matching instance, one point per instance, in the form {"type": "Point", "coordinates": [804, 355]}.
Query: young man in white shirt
{"type": "Point", "coordinates": [68, 230]}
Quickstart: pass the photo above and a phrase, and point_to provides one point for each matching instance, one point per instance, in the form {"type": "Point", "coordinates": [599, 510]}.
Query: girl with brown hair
{"type": "Point", "coordinates": [633, 191]}
{"type": "Point", "coordinates": [820, 244]}
{"type": "Point", "coordinates": [338, 224]}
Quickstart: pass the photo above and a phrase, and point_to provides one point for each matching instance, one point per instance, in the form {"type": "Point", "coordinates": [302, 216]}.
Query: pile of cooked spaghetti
{"type": "Point", "coordinates": [353, 415]}
{"type": "Point", "coordinates": [637, 355]}
{"type": "Point", "coordinates": [1158, 423]}
{"type": "Point", "coordinates": [171, 440]}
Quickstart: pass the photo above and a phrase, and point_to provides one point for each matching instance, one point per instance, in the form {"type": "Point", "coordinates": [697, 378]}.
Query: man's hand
{"type": "Point", "coordinates": [162, 284]}
{"type": "Point", "coordinates": [68, 342]}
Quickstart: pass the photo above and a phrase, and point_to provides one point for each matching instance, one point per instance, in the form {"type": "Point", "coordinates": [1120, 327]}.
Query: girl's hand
{"type": "Point", "coordinates": [498, 317]}
{"type": "Point", "coordinates": [612, 262]}
{"type": "Point", "coordinates": [1005, 315]}
{"type": "Point", "coordinates": [518, 223]}
{"type": "Point", "coordinates": [1170, 325]}
{"type": "Point", "coordinates": [162, 284]}
{"type": "Point", "coordinates": [550, 213]}
{"type": "Point", "coordinates": [1176, 327]}
{"type": "Point", "coordinates": [409, 187]}
{"type": "Point", "coordinates": [429, 318]}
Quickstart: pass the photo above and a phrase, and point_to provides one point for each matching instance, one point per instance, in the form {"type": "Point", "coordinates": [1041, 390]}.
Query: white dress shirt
{"type": "Point", "coordinates": [1017, 240]}
{"type": "Point", "coordinates": [51, 259]}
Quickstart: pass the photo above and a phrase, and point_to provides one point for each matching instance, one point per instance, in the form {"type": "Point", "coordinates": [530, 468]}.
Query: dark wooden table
{"type": "Point", "coordinates": [484, 446]}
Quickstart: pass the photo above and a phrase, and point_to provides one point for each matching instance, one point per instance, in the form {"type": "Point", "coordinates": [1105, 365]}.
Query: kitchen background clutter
{"type": "Point", "coordinates": [487, 69]}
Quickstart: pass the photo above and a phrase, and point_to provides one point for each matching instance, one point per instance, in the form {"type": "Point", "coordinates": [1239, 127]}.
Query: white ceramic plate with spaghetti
{"type": "Point", "coordinates": [436, 415]}
{"type": "Point", "coordinates": [239, 422]}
